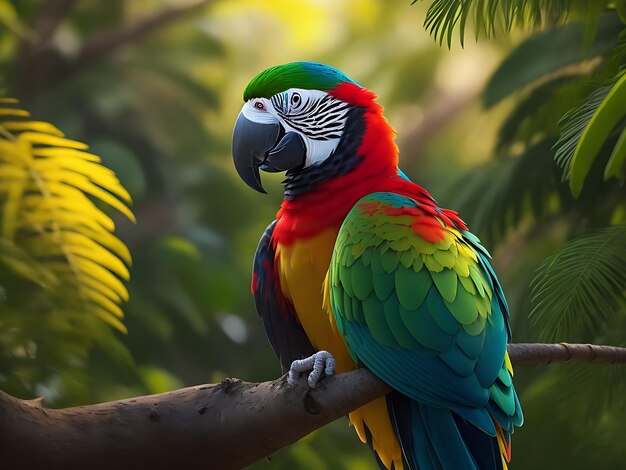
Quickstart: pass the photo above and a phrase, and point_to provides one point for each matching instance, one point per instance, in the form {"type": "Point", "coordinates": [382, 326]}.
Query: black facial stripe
{"type": "Point", "coordinates": [318, 119]}
{"type": "Point", "coordinates": [319, 127]}
{"type": "Point", "coordinates": [330, 103]}
{"type": "Point", "coordinates": [278, 101]}
{"type": "Point", "coordinates": [341, 161]}
{"type": "Point", "coordinates": [307, 111]}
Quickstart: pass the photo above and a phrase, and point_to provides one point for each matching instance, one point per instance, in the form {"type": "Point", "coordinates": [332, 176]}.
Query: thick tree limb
{"type": "Point", "coordinates": [228, 425]}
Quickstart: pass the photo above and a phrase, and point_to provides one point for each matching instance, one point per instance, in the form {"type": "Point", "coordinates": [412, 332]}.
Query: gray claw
{"type": "Point", "coordinates": [321, 361]}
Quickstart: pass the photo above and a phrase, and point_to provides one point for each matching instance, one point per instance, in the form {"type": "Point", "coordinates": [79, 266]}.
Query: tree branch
{"type": "Point", "coordinates": [37, 56]}
{"type": "Point", "coordinates": [51, 14]}
{"type": "Point", "coordinates": [228, 425]}
{"type": "Point", "coordinates": [538, 353]}
{"type": "Point", "coordinates": [40, 63]}
{"type": "Point", "coordinates": [108, 42]}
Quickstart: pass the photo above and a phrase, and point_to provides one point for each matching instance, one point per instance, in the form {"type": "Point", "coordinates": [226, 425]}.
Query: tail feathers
{"type": "Point", "coordinates": [504, 445]}
{"type": "Point", "coordinates": [372, 423]}
{"type": "Point", "coordinates": [370, 444]}
{"type": "Point", "coordinates": [438, 439]}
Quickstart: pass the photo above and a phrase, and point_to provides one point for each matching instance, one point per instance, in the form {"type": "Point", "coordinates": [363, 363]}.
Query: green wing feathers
{"type": "Point", "coordinates": [420, 306]}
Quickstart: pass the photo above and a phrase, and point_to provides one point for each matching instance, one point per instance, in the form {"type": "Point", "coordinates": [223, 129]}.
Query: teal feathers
{"type": "Point", "coordinates": [420, 306]}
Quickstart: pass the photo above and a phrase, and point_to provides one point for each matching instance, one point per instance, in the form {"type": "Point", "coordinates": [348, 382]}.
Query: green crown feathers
{"type": "Point", "coordinates": [305, 75]}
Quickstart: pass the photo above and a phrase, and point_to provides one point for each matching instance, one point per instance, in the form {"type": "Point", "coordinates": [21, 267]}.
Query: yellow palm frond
{"type": "Point", "coordinates": [49, 188]}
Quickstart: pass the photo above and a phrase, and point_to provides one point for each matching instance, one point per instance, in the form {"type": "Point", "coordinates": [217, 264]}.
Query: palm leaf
{"type": "Point", "coordinates": [616, 161]}
{"type": "Point", "coordinates": [20, 263]}
{"type": "Point", "coordinates": [609, 114]}
{"type": "Point", "coordinates": [49, 186]}
{"type": "Point", "coordinates": [573, 125]}
{"type": "Point", "coordinates": [545, 53]}
{"type": "Point", "coordinates": [585, 129]}
{"type": "Point", "coordinates": [536, 114]}
{"type": "Point", "coordinates": [489, 16]}
{"type": "Point", "coordinates": [581, 285]}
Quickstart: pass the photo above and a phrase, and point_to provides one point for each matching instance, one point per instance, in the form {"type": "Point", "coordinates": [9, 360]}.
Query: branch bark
{"type": "Point", "coordinates": [227, 425]}
{"type": "Point", "coordinates": [534, 353]}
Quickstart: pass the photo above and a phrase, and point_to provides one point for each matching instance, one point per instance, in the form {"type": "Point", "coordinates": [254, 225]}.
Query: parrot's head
{"type": "Point", "coordinates": [297, 118]}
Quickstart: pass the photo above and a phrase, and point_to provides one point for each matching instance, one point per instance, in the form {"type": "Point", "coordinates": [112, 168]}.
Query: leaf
{"type": "Point", "coordinates": [443, 15]}
{"type": "Point", "coordinates": [610, 112]}
{"type": "Point", "coordinates": [10, 19]}
{"type": "Point", "coordinates": [24, 265]}
{"type": "Point", "coordinates": [546, 52]}
{"type": "Point", "coordinates": [573, 125]}
{"type": "Point", "coordinates": [497, 196]}
{"type": "Point", "coordinates": [617, 158]}
{"type": "Point", "coordinates": [537, 113]}
{"type": "Point", "coordinates": [592, 20]}
{"type": "Point", "coordinates": [51, 229]}
{"type": "Point", "coordinates": [580, 285]}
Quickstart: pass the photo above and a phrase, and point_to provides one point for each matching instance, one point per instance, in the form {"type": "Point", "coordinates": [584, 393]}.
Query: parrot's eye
{"type": "Point", "coordinates": [295, 99]}
{"type": "Point", "coordinates": [259, 105]}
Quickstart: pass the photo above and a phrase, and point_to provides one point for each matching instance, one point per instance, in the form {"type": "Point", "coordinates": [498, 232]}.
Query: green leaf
{"type": "Point", "coordinates": [546, 52]}
{"type": "Point", "coordinates": [610, 112]}
{"type": "Point", "coordinates": [617, 158]}
{"type": "Point", "coordinates": [581, 285]}
{"type": "Point", "coordinates": [620, 6]}
{"type": "Point", "coordinates": [538, 113]}
{"type": "Point", "coordinates": [573, 125]}
{"type": "Point", "coordinates": [592, 19]}
{"type": "Point", "coordinates": [443, 15]}
{"type": "Point", "coordinates": [499, 195]}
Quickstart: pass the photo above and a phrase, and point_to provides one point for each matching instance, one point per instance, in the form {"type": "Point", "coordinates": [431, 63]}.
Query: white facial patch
{"type": "Point", "coordinates": [318, 117]}
{"type": "Point", "coordinates": [252, 111]}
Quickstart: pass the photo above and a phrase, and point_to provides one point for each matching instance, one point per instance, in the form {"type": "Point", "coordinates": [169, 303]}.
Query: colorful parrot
{"type": "Point", "coordinates": [362, 268]}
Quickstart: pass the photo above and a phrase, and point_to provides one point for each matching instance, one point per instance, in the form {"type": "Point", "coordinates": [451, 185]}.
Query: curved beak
{"type": "Point", "coordinates": [251, 143]}
{"type": "Point", "coordinates": [264, 146]}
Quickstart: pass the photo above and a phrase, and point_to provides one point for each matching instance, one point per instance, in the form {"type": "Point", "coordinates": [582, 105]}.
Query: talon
{"type": "Point", "coordinates": [321, 361]}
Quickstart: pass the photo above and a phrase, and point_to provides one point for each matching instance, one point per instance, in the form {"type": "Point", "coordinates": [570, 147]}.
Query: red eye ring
{"type": "Point", "coordinates": [259, 105]}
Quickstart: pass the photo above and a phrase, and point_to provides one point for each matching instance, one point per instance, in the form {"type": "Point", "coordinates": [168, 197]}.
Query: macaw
{"type": "Point", "coordinates": [362, 268]}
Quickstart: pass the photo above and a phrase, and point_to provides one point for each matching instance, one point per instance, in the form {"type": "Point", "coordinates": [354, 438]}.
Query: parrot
{"type": "Point", "coordinates": [362, 268]}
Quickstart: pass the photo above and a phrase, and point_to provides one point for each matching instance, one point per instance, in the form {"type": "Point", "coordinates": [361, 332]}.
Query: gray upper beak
{"type": "Point", "coordinates": [265, 146]}
{"type": "Point", "coordinates": [251, 143]}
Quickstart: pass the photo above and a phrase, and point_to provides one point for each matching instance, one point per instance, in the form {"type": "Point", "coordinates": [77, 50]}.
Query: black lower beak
{"type": "Point", "coordinates": [265, 146]}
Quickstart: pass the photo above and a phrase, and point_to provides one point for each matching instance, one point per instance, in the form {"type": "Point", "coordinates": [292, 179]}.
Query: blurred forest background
{"type": "Point", "coordinates": [154, 87]}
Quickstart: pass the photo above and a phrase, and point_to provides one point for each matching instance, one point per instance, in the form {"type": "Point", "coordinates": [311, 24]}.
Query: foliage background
{"type": "Point", "coordinates": [159, 109]}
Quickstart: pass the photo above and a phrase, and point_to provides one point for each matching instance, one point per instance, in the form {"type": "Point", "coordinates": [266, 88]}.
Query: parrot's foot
{"type": "Point", "coordinates": [321, 361]}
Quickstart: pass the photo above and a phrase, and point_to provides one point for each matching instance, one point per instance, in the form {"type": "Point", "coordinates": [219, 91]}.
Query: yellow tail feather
{"type": "Point", "coordinates": [375, 416]}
